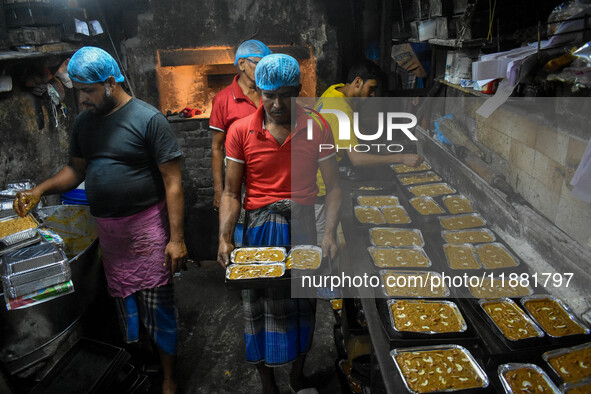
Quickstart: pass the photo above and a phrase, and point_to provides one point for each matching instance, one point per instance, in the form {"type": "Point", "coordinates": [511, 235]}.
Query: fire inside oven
{"type": "Point", "coordinates": [191, 77]}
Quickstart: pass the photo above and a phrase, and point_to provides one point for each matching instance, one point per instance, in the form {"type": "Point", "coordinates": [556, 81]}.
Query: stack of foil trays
{"type": "Point", "coordinates": [33, 268]}
{"type": "Point", "coordinates": [11, 189]}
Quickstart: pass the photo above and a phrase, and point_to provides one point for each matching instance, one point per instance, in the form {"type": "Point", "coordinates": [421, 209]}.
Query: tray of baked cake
{"type": "Point", "coordinates": [418, 322]}
{"type": "Point", "coordinates": [272, 266]}
{"type": "Point", "coordinates": [525, 377]}
{"type": "Point", "coordinates": [556, 319]}
{"type": "Point", "coordinates": [571, 364]}
{"type": "Point", "coordinates": [439, 368]}
{"type": "Point", "coordinates": [380, 210]}
{"type": "Point", "coordinates": [479, 259]}
{"type": "Point", "coordinates": [511, 324]}
{"type": "Point", "coordinates": [17, 232]}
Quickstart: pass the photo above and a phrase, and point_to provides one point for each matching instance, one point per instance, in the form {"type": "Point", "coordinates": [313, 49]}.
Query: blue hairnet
{"type": "Point", "coordinates": [93, 65]}
{"type": "Point", "coordinates": [276, 71]}
{"type": "Point", "coordinates": [251, 48]}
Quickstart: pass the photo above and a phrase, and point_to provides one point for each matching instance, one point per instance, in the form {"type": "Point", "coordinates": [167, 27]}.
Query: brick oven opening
{"type": "Point", "coordinates": [191, 77]}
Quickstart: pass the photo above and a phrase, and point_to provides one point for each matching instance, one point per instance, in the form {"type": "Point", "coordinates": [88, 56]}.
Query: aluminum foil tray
{"type": "Point", "coordinates": [262, 254]}
{"type": "Point", "coordinates": [456, 313]}
{"type": "Point", "coordinates": [499, 261]}
{"type": "Point", "coordinates": [504, 368]}
{"type": "Point", "coordinates": [5, 204]}
{"type": "Point", "coordinates": [462, 222]}
{"type": "Point", "coordinates": [468, 235]}
{"type": "Point", "coordinates": [396, 237]}
{"type": "Point", "coordinates": [582, 385]}
{"type": "Point", "coordinates": [536, 330]}
{"type": "Point", "coordinates": [388, 257]}
{"type": "Point", "coordinates": [426, 206]}
{"type": "Point", "coordinates": [33, 264]}
{"type": "Point", "coordinates": [415, 179]}
{"type": "Point", "coordinates": [17, 186]}
{"type": "Point", "coordinates": [477, 369]}
{"type": "Point", "coordinates": [311, 255]}
{"type": "Point", "coordinates": [466, 257]}
{"type": "Point", "coordinates": [403, 169]}
{"type": "Point", "coordinates": [255, 271]}
{"type": "Point", "coordinates": [396, 209]}
{"type": "Point", "coordinates": [368, 214]}
{"type": "Point", "coordinates": [20, 236]}
{"type": "Point", "coordinates": [568, 313]}
{"type": "Point", "coordinates": [30, 287]}
{"type": "Point", "coordinates": [432, 189]}
{"type": "Point", "coordinates": [454, 210]}
{"type": "Point", "coordinates": [565, 352]}
{"type": "Point", "coordinates": [378, 200]}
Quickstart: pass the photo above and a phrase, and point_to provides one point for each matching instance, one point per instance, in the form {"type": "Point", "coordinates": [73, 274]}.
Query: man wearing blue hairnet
{"type": "Point", "coordinates": [279, 204]}
{"type": "Point", "coordinates": [129, 158]}
{"type": "Point", "coordinates": [234, 102]}
{"type": "Point", "coordinates": [362, 82]}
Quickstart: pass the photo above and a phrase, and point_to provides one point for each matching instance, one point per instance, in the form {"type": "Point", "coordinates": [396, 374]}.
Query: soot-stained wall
{"type": "Point", "coordinates": [32, 145]}
{"type": "Point", "coordinates": [170, 24]}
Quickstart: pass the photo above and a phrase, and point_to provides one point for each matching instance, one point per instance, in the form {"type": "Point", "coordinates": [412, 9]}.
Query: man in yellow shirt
{"type": "Point", "coordinates": [362, 82]}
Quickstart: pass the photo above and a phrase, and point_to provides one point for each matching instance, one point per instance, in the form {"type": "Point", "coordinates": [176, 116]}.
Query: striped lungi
{"type": "Point", "coordinates": [278, 328]}
{"type": "Point", "coordinates": [156, 310]}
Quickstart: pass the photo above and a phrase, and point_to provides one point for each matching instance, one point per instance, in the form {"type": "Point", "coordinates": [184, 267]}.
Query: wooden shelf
{"type": "Point", "coordinates": [465, 90]}
{"type": "Point", "coordinates": [445, 42]}
{"type": "Point", "coordinates": [66, 49]}
{"type": "Point", "coordinates": [451, 42]}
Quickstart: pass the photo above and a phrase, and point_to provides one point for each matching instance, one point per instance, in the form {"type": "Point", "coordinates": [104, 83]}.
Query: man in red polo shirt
{"type": "Point", "coordinates": [234, 102]}
{"type": "Point", "coordinates": [278, 160]}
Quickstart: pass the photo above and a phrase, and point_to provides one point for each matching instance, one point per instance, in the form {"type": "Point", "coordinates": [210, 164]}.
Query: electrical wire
{"type": "Point", "coordinates": [491, 17]}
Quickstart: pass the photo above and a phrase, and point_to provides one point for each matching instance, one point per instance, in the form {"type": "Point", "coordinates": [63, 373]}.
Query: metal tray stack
{"type": "Point", "coordinates": [36, 267]}
{"type": "Point", "coordinates": [88, 367]}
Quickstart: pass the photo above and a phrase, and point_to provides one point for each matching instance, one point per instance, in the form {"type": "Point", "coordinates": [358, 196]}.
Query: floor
{"type": "Point", "coordinates": [211, 347]}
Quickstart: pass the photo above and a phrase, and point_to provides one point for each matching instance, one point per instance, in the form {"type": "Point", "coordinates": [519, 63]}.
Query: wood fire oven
{"type": "Point", "coordinates": [190, 77]}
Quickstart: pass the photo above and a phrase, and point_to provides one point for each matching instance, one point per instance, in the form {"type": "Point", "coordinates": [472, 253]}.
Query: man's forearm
{"type": "Point", "coordinates": [333, 207]}
{"type": "Point", "coordinates": [65, 180]}
{"type": "Point", "coordinates": [176, 204]}
{"type": "Point", "coordinates": [217, 160]}
{"type": "Point", "coordinates": [229, 214]}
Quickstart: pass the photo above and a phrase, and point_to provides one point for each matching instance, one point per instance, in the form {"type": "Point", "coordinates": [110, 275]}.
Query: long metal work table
{"type": "Point", "coordinates": [359, 265]}
{"type": "Point", "coordinates": [487, 346]}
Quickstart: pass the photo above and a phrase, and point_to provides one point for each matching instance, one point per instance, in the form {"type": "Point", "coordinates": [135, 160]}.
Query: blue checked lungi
{"type": "Point", "coordinates": [157, 312]}
{"type": "Point", "coordinates": [278, 328]}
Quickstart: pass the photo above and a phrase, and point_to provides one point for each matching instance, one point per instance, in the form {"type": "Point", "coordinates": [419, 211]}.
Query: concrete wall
{"type": "Point", "coordinates": [170, 24]}
{"type": "Point", "coordinates": [31, 146]}
{"type": "Point", "coordinates": [539, 155]}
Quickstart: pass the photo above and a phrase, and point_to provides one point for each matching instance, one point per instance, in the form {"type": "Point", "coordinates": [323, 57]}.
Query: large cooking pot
{"type": "Point", "coordinates": [27, 335]}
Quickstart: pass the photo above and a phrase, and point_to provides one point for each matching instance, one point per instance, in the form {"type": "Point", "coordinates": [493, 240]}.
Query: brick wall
{"type": "Point", "coordinates": [201, 222]}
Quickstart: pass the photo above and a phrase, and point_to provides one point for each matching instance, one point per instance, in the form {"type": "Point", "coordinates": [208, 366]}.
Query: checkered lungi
{"type": "Point", "coordinates": [278, 328]}
{"type": "Point", "coordinates": [157, 312]}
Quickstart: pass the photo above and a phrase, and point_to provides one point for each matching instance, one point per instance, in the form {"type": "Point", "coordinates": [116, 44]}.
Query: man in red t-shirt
{"type": "Point", "coordinates": [234, 102]}
{"type": "Point", "coordinates": [278, 160]}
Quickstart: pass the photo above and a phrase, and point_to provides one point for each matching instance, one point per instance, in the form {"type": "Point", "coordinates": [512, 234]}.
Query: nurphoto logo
{"type": "Point", "coordinates": [391, 126]}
